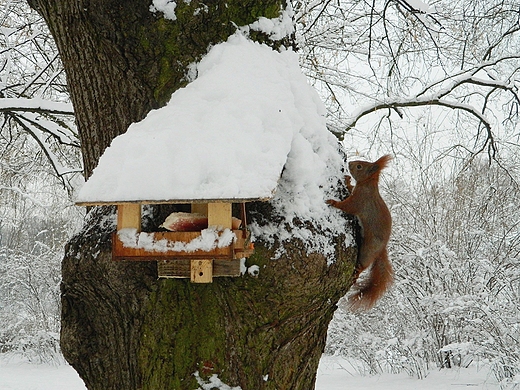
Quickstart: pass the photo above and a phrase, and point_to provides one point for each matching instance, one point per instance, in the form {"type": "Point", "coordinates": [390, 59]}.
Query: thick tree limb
{"type": "Point", "coordinates": [436, 95]}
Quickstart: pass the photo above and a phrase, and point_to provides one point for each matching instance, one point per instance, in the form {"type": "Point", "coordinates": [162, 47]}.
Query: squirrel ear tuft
{"type": "Point", "coordinates": [383, 161]}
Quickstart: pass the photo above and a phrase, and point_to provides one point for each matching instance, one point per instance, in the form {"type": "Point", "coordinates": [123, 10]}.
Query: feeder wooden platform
{"type": "Point", "coordinates": [199, 265]}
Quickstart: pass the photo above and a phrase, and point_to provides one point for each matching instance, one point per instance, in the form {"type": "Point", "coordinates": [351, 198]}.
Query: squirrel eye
{"type": "Point", "coordinates": [359, 166]}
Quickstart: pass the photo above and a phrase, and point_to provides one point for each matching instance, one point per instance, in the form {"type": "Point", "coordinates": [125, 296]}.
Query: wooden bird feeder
{"type": "Point", "coordinates": [199, 265]}
{"type": "Point", "coordinates": [204, 149]}
{"type": "Point", "coordinates": [213, 144]}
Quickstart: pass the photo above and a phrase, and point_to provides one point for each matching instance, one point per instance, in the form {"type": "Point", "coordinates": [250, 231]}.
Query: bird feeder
{"type": "Point", "coordinates": [198, 265]}
{"type": "Point", "coordinates": [174, 260]}
{"type": "Point", "coordinates": [223, 139]}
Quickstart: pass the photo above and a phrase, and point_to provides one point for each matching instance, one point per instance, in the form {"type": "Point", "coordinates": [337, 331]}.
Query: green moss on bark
{"type": "Point", "coordinates": [181, 335]}
{"type": "Point", "coordinates": [241, 328]}
{"type": "Point", "coordinates": [176, 44]}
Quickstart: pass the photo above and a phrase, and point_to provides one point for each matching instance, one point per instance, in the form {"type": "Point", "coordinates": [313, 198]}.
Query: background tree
{"type": "Point", "coordinates": [39, 162]}
{"type": "Point", "coordinates": [34, 98]}
{"type": "Point", "coordinates": [121, 327]}
{"type": "Point", "coordinates": [379, 63]}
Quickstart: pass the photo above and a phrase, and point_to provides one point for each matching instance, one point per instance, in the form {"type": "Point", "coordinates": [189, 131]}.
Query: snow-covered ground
{"type": "Point", "coordinates": [334, 374]}
{"type": "Point", "coordinates": [27, 376]}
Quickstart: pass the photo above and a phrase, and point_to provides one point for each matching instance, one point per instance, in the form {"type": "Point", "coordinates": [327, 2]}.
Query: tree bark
{"type": "Point", "coordinates": [122, 328]}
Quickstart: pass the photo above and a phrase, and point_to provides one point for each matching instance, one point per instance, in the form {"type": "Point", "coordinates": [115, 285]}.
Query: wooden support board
{"type": "Point", "coordinates": [241, 248]}
{"type": "Point", "coordinates": [121, 252]}
{"type": "Point", "coordinates": [174, 269]}
{"type": "Point", "coordinates": [129, 216]}
{"type": "Point", "coordinates": [219, 214]}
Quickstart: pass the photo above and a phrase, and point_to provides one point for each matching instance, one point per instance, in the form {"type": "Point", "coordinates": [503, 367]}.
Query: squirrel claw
{"type": "Point", "coordinates": [332, 202]}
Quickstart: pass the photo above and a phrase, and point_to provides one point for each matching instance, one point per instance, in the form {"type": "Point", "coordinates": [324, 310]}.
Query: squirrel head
{"type": "Point", "coordinates": [364, 170]}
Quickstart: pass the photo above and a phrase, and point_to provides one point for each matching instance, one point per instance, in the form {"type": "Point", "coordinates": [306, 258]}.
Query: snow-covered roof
{"type": "Point", "coordinates": [225, 136]}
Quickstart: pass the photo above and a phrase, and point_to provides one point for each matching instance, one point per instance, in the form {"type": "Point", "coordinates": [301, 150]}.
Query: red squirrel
{"type": "Point", "coordinates": [366, 204]}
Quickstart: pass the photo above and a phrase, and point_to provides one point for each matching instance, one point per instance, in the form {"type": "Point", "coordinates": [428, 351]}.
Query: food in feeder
{"type": "Point", "coordinates": [191, 222]}
{"type": "Point", "coordinates": [185, 222]}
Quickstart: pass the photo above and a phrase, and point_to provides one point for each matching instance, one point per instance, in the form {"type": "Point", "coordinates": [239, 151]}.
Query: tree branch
{"type": "Point", "coordinates": [418, 103]}
{"type": "Point", "coordinates": [36, 105]}
{"type": "Point", "coordinates": [36, 133]}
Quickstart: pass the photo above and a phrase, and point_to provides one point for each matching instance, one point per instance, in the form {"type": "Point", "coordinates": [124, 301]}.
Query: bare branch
{"type": "Point", "coordinates": [36, 105]}
{"type": "Point", "coordinates": [52, 126]}
{"type": "Point", "coordinates": [395, 104]}
{"type": "Point", "coordinates": [38, 136]}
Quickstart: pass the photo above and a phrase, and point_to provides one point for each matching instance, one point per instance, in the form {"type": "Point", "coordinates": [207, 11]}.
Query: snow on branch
{"type": "Point", "coordinates": [40, 118]}
{"type": "Point", "coordinates": [36, 105]}
{"type": "Point", "coordinates": [438, 94]}
{"type": "Point", "coordinates": [24, 195]}
{"type": "Point", "coordinates": [468, 77]}
{"type": "Point", "coordinates": [40, 137]}
{"type": "Point", "coordinates": [395, 104]}
{"type": "Point", "coordinates": [63, 134]}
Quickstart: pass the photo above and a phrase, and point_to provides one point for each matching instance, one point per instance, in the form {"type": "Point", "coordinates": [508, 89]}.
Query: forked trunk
{"type": "Point", "coordinates": [122, 328]}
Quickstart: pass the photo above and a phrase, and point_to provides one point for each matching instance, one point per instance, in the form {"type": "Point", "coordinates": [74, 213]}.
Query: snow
{"type": "Point", "coordinates": [420, 6]}
{"type": "Point", "coordinates": [58, 130]}
{"type": "Point", "coordinates": [27, 376]}
{"type": "Point", "coordinates": [208, 240]}
{"type": "Point", "coordinates": [254, 270]}
{"type": "Point", "coordinates": [277, 28]}
{"type": "Point", "coordinates": [334, 373]}
{"type": "Point", "coordinates": [35, 104]}
{"type": "Point", "coordinates": [214, 382]}
{"type": "Point", "coordinates": [224, 136]}
{"type": "Point", "coordinates": [167, 7]}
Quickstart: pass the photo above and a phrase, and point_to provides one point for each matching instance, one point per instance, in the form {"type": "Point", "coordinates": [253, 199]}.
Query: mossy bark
{"type": "Point", "coordinates": [122, 328]}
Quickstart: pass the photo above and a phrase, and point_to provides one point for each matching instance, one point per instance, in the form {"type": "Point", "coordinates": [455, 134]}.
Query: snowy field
{"type": "Point", "coordinates": [333, 374]}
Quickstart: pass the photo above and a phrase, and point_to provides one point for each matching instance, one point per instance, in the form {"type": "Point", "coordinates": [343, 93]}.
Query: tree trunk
{"type": "Point", "coordinates": [122, 328]}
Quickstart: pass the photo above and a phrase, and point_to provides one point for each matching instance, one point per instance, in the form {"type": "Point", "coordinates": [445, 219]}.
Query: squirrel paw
{"type": "Point", "coordinates": [332, 202]}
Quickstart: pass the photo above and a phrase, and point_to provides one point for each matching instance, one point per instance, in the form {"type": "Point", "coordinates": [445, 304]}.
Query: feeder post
{"type": "Point", "coordinates": [219, 214]}
{"type": "Point", "coordinates": [129, 216]}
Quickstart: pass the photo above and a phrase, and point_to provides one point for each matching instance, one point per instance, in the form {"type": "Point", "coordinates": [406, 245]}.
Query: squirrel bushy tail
{"type": "Point", "coordinates": [366, 292]}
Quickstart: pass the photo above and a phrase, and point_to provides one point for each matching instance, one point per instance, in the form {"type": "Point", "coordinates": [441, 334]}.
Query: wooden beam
{"type": "Point", "coordinates": [202, 271]}
{"type": "Point", "coordinates": [219, 214]}
{"type": "Point", "coordinates": [129, 216]}
{"type": "Point", "coordinates": [123, 253]}
{"type": "Point", "coordinates": [182, 268]}
{"type": "Point", "coordinates": [172, 201]}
